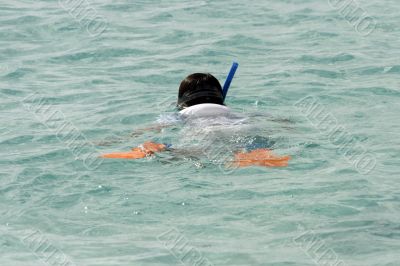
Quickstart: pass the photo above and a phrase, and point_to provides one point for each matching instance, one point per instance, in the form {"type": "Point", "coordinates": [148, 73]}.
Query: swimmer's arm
{"type": "Point", "coordinates": [136, 133]}
{"type": "Point", "coordinates": [155, 128]}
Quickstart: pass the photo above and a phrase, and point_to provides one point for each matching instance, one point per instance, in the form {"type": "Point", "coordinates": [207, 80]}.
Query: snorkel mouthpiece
{"type": "Point", "coordinates": [229, 79]}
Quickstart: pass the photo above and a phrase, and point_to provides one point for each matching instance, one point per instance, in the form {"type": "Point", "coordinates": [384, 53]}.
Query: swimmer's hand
{"type": "Point", "coordinates": [147, 149]}
{"type": "Point", "coordinates": [260, 157]}
{"type": "Point", "coordinates": [153, 147]}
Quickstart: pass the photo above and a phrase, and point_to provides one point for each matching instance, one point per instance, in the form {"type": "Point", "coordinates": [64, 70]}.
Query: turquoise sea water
{"type": "Point", "coordinates": [69, 84]}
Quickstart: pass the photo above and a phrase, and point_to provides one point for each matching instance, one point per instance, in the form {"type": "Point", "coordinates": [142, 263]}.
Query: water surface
{"type": "Point", "coordinates": [103, 85]}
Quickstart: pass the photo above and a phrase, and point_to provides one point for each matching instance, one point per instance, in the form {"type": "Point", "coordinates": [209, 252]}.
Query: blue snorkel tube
{"type": "Point", "coordinates": [229, 79]}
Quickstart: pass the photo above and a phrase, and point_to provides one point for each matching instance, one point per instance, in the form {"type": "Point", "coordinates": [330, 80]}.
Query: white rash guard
{"type": "Point", "coordinates": [205, 110]}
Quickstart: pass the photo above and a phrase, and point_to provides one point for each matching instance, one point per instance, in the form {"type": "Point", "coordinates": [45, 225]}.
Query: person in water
{"type": "Point", "coordinates": [202, 95]}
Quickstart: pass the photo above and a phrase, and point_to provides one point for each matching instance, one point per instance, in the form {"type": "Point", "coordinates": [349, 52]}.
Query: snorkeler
{"type": "Point", "coordinates": [201, 95]}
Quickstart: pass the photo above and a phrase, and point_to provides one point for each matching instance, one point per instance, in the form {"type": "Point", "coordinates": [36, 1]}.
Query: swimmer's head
{"type": "Point", "coordinates": [199, 88]}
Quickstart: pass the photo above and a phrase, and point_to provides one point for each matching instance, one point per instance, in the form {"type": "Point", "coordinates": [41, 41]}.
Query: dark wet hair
{"type": "Point", "coordinates": [199, 88]}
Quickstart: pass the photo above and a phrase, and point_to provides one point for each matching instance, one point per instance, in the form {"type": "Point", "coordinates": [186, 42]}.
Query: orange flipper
{"type": "Point", "coordinates": [134, 154]}
{"type": "Point", "coordinates": [147, 149]}
{"type": "Point", "coordinates": [260, 157]}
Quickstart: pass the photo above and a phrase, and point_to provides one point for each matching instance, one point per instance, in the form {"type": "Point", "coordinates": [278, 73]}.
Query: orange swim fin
{"type": "Point", "coordinates": [134, 154]}
{"type": "Point", "coordinates": [147, 149]}
{"type": "Point", "coordinates": [260, 157]}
